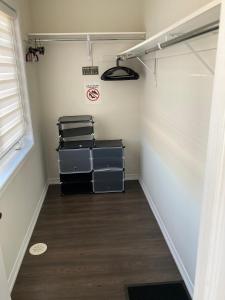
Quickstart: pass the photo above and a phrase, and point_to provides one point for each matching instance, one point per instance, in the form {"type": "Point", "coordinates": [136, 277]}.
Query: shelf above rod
{"type": "Point", "coordinates": [79, 37]}
{"type": "Point", "coordinates": [206, 16]}
{"type": "Point", "coordinates": [184, 37]}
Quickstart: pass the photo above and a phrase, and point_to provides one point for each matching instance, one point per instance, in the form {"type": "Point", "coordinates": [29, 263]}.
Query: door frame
{"type": "Point", "coordinates": [210, 273]}
{"type": "Point", "coordinates": [4, 286]}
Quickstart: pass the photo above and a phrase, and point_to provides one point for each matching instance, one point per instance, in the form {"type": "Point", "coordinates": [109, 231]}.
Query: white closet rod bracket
{"type": "Point", "coordinates": [154, 72]}
{"type": "Point", "coordinates": [90, 49]}
{"type": "Point", "coordinates": [197, 55]}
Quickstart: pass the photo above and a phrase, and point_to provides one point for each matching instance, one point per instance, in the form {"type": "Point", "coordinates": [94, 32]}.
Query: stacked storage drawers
{"type": "Point", "coordinates": [75, 154]}
{"type": "Point", "coordinates": [76, 128]}
{"type": "Point", "coordinates": [87, 165]}
{"type": "Point", "coordinates": [108, 166]}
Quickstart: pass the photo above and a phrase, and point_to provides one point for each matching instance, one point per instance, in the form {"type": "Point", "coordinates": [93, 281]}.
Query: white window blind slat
{"type": "Point", "coordinates": [8, 93]}
{"type": "Point", "coordinates": [9, 113]}
{"type": "Point", "coordinates": [9, 109]}
{"type": "Point", "coordinates": [10, 139]}
{"type": "Point", "coordinates": [12, 123]}
{"type": "Point", "coordinates": [8, 101]}
{"type": "Point", "coordinates": [4, 24]}
{"type": "Point", "coordinates": [8, 68]}
{"type": "Point", "coordinates": [7, 76]}
{"type": "Point", "coordinates": [6, 44]}
{"type": "Point", "coordinates": [5, 35]}
{"type": "Point", "coordinates": [7, 60]}
{"type": "Point", "coordinates": [6, 52]}
{"type": "Point", "coordinates": [7, 84]}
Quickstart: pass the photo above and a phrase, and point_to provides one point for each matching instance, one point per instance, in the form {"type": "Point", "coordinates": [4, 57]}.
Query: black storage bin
{"type": "Point", "coordinates": [76, 178]}
{"type": "Point", "coordinates": [108, 181]}
{"type": "Point", "coordinates": [76, 188]}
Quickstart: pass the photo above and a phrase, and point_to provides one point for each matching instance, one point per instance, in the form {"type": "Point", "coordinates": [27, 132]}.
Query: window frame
{"type": "Point", "coordinates": [11, 162]}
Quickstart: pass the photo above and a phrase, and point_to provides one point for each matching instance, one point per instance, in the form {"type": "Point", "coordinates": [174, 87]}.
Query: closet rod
{"type": "Point", "coordinates": [82, 40]}
{"type": "Point", "coordinates": [83, 37]}
{"type": "Point", "coordinates": [179, 39]}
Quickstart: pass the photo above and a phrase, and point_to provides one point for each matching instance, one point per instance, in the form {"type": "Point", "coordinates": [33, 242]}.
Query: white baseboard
{"type": "Point", "coordinates": [25, 243]}
{"type": "Point", "coordinates": [173, 250]}
{"type": "Point", "coordinates": [53, 181]}
{"type": "Point", "coordinates": [128, 178]}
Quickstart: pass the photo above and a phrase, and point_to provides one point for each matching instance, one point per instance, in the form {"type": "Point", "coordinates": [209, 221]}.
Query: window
{"type": "Point", "coordinates": [15, 124]}
{"type": "Point", "coordinates": [12, 122]}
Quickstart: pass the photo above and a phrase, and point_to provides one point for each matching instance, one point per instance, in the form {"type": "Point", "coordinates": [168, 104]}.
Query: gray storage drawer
{"type": "Point", "coordinates": [104, 158]}
{"type": "Point", "coordinates": [108, 181]}
{"type": "Point", "coordinates": [79, 138]}
{"type": "Point", "coordinates": [75, 125]}
{"type": "Point", "coordinates": [75, 161]}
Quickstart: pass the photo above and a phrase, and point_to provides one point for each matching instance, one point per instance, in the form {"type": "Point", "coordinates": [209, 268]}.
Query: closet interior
{"type": "Point", "coordinates": [119, 117]}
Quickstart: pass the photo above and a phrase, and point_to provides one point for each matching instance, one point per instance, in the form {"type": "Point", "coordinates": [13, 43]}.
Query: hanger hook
{"type": "Point", "coordinates": [117, 61]}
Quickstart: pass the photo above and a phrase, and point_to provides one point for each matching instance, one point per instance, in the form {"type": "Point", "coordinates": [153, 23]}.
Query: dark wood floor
{"type": "Point", "coordinates": [97, 244]}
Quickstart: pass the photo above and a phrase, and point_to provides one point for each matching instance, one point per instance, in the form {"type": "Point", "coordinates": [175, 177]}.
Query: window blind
{"type": "Point", "coordinates": [12, 123]}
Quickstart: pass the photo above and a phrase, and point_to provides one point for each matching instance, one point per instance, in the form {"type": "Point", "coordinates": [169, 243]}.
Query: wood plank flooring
{"type": "Point", "coordinates": [97, 245]}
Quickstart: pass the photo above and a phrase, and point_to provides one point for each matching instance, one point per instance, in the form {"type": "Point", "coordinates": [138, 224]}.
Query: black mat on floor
{"type": "Point", "coordinates": [159, 291]}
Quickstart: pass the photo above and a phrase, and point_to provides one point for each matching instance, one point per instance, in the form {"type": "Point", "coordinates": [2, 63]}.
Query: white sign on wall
{"type": "Point", "coordinates": [92, 92]}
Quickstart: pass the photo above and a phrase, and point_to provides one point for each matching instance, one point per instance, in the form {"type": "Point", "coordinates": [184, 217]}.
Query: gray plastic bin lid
{"type": "Point", "coordinates": [108, 144]}
{"type": "Point", "coordinates": [75, 119]}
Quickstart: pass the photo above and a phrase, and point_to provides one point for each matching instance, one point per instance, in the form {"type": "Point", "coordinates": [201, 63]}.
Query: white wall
{"type": "Point", "coordinates": [62, 93]}
{"type": "Point", "coordinates": [175, 120]}
{"type": "Point", "coordinates": [61, 81]}
{"type": "Point", "coordinates": [21, 196]}
{"type": "Point", "coordinates": [86, 15]}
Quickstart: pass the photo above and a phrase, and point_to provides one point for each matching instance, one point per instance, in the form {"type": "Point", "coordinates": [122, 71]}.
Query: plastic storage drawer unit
{"type": "Point", "coordinates": [108, 155]}
{"type": "Point", "coordinates": [75, 157]}
{"type": "Point", "coordinates": [106, 181]}
{"type": "Point", "coordinates": [75, 161]}
{"type": "Point", "coordinates": [72, 127]}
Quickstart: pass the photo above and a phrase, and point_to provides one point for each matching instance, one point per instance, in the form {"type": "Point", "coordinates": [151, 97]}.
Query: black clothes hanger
{"type": "Point", "coordinates": [33, 53]}
{"type": "Point", "coordinates": [119, 73]}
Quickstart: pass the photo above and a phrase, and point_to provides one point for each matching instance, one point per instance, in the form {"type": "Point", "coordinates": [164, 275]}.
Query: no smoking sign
{"type": "Point", "coordinates": [92, 92]}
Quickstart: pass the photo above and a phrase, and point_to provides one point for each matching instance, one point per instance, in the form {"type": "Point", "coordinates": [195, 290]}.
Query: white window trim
{"type": "Point", "coordinates": [14, 159]}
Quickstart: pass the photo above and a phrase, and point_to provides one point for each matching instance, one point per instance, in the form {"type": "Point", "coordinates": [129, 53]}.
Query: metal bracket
{"type": "Point", "coordinates": [197, 55]}
{"type": "Point", "coordinates": [154, 72]}
{"type": "Point", "coordinates": [90, 49]}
